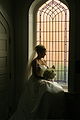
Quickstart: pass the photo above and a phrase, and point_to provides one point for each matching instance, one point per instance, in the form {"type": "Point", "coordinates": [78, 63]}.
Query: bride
{"type": "Point", "coordinates": [35, 102]}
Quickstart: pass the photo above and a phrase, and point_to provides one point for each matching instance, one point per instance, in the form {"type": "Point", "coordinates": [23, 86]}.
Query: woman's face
{"type": "Point", "coordinates": [42, 54]}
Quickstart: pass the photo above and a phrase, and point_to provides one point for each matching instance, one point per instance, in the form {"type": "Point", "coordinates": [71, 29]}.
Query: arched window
{"type": "Point", "coordinates": [52, 30]}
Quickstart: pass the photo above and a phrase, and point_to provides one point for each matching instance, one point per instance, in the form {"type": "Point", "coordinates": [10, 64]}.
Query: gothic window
{"type": "Point", "coordinates": [53, 33]}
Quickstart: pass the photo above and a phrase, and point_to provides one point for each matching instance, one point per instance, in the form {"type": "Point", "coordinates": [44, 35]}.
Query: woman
{"type": "Point", "coordinates": [39, 64]}
{"type": "Point", "coordinates": [35, 93]}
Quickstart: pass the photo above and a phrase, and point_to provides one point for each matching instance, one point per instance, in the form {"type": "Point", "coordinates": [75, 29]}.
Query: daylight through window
{"type": "Point", "coordinates": [53, 33]}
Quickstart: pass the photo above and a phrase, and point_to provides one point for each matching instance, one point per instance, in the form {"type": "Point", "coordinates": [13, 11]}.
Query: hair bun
{"type": "Point", "coordinates": [40, 48]}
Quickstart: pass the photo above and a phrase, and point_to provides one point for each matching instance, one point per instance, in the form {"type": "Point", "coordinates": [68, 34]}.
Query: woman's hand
{"type": "Point", "coordinates": [53, 67]}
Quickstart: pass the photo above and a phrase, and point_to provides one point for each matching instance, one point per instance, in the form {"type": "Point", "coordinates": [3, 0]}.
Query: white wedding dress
{"type": "Point", "coordinates": [35, 91]}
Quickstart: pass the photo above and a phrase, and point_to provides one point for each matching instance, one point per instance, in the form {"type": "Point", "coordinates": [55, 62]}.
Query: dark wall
{"type": "Point", "coordinates": [77, 47]}
{"type": "Point", "coordinates": [21, 43]}
{"type": "Point", "coordinates": [8, 6]}
{"type": "Point", "coordinates": [21, 39]}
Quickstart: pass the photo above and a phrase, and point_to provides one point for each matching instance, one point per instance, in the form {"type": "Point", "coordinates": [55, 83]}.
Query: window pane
{"type": "Point", "coordinates": [53, 33]}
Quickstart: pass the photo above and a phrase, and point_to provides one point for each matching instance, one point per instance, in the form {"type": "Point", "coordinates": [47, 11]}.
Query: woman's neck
{"type": "Point", "coordinates": [38, 57]}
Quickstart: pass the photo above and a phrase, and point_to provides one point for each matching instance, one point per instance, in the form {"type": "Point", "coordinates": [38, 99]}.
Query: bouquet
{"type": "Point", "coordinates": [49, 73]}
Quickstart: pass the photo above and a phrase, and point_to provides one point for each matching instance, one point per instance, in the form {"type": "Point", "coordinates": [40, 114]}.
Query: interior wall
{"type": "Point", "coordinates": [77, 47]}
{"type": "Point", "coordinates": [8, 7]}
{"type": "Point", "coordinates": [21, 43]}
{"type": "Point", "coordinates": [7, 11]}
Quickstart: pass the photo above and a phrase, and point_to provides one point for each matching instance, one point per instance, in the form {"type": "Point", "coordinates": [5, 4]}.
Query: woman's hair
{"type": "Point", "coordinates": [40, 49]}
